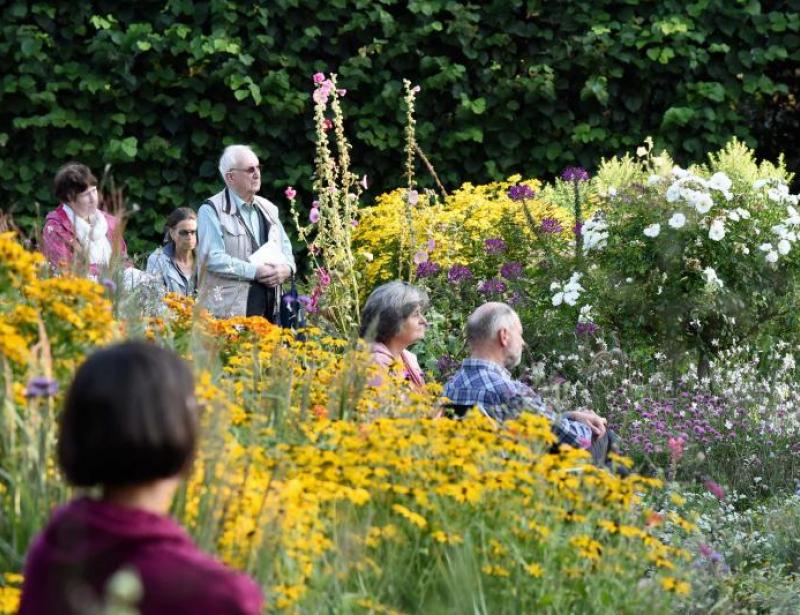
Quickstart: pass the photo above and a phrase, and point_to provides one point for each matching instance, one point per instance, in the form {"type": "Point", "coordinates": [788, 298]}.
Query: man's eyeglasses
{"type": "Point", "coordinates": [186, 233]}
{"type": "Point", "coordinates": [249, 170]}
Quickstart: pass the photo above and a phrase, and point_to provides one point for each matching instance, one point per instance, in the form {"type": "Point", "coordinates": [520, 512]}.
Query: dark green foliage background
{"type": "Point", "coordinates": [155, 89]}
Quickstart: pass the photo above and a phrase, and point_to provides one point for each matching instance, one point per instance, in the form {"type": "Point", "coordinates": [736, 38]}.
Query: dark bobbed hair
{"type": "Point", "coordinates": [129, 417]}
{"type": "Point", "coordinates": [72, 179]}
{"type": "Point", "coordinates": [387, 307]}
{"type": "Point", "coordinates": [176, 217]}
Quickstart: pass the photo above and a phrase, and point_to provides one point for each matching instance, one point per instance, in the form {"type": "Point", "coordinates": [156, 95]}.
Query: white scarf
{"type": "Point", "coordinates": [92, 236]}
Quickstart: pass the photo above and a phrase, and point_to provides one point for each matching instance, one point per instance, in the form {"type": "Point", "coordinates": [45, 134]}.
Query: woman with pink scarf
{"type": "Point", "coordinates": [77, 235]}
{"type": "Point", "coordinates": [392, 320]}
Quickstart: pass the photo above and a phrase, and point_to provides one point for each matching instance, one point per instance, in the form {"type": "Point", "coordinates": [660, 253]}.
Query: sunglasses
{"type": "Point", "coordinates": [186, 233]}
{"type": "Point", "coordinates": [249, 170]}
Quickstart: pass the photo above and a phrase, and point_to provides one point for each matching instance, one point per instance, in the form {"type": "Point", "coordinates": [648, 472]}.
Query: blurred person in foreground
{"type": "Point", "coordinates": [494, 335]}
{"type": "Point", "coordinates": [77, 234]}
{"type": "Point", "coordinates": [129, 427]}
{"type": "Point", "coordinates": [392, 320]}
{"type": "Point", "coordinates": [174, 264]}
{"type": "Point", "coordinates": [243, 251]}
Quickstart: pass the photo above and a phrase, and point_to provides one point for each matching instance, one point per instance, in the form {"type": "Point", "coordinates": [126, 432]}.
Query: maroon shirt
{"type": "Point", "coordinates": [87, 541]}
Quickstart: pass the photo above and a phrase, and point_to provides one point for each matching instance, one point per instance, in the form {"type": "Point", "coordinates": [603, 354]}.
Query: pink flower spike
{"type": "Point", "coordinates": [290, 193]}
{"type": "Point", "coordinates": [319, 78]}
{"type": "Point", "coordinates": [715, 489]}
{"type": "Point", "coordinates": [313, 215]}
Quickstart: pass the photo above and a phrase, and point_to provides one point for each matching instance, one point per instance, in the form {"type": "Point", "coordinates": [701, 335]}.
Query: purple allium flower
{"type": "Point", "coordinates": [520, 192]}
{"type": "Point", "coordinates": [458, 274]}
{"type": "Point", "coordinates": [586, 328]}
{"type": "Point", "coordinates": [495, 246]}
{"type": "Point", "coordinates": [41, 387]}
{"type": "Point", "coordinates": [427, 269]}
{"type": "Point", "coordinates": [550, 225]}
{"type": "Point", "coordinates": [574, 174]}
{"type": "Point", "coordinates": [491, 286]}
{"type": "Point", "coordinates": [511, 270]}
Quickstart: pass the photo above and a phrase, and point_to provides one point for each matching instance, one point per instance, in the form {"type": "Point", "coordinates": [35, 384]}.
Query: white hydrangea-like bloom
{"type": "Point", "coordinates": [569, 292]}
{"type": "Point", "coordinates": [595, 233]}
{"type": "Point", "coordinates": [711, 277]}
{"type": "Point", "coordinates": [653, 230]}
{"type": "Point", "coordinates": [678, 220]}
{"type": "Point", "coordinates": [717, 230]}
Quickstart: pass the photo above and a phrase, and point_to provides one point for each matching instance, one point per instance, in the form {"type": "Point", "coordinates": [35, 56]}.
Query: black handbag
{"type": "Point", "coordinates": [291, 313]}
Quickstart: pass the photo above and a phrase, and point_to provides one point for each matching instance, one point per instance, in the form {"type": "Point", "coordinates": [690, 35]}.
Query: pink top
{"type": "Point", "coordinates": [59, 242]}
{"type": "Point", "coordinates": [411, 370]}
{"type": "Point", "coordinates": [87, 541]}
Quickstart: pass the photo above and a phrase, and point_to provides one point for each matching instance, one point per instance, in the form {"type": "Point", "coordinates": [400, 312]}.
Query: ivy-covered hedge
{"type": "Point", "coordinates": [155, 89]}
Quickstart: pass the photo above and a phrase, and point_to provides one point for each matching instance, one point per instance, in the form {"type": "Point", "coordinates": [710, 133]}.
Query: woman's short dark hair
{"type": "Point", "coordinates": [176, 217]}
{"type": "Point", "coordinates": [387, 307]}
{"type": "Point", "coordinates": [72, 179]}
{"type": "Point", "coordinates": [129, 417]}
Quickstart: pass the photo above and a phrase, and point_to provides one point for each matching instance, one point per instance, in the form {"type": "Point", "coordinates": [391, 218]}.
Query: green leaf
{"type": "Point", "coordinates": [677, 116]}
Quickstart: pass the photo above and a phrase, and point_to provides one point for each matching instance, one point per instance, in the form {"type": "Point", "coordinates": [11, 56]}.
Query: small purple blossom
{"type": "Point", "coordinates": [421, 257]}
{"type": "Point", "coordinates": [458, 274]}
{"type": "Point", "coordinates": [428, 269]}
{"type": "Point", "coordinates": [511, 270]}
{"type": "Point", "coordinates": [446, 365]}
{"type": "Point", "coordinates": [586, 328]}
{"type": "Point", "coordinates": [109, 284]}
{"type": "Point", "coordinates": [40, 386]}
{"type": "Point", "coordinates": [515, 298]}
{"type": "Point", "coordinates": [574, 174]}
{"type": "Point", "coordinates": [313, 215]}
{"type": "Point", "coordinates": [520, 192]}
{"type": "Point", "coordinates": [495, 245]}
{"type": "Point", "coordinates": [550, 226]}
{"type": "Point", "coordinates": [492, 286]}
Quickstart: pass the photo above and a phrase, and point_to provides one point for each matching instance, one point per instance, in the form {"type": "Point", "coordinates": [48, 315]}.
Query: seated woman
{"type": "Point", "coordinates": [174, 263]}
{"type": "Point", "coordinates": [129, 426]}
{"type": "Point", "coordinates": [392, 321]}
{"type": "Point", "coordinates": [77, 233]}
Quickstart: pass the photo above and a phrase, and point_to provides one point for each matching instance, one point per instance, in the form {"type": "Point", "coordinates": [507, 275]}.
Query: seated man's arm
{"type": "Point", "coordinates": [211, 254]}
{"type": "Point", "coordinates": [567, 431]}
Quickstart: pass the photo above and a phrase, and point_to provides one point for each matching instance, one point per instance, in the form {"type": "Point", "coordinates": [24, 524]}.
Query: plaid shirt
{"type": "Point", "coordinates": [490, 387]}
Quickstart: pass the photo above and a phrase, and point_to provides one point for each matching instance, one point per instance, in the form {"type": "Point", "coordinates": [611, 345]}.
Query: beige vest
{"type": "Point", "coordinates": [226, 297]}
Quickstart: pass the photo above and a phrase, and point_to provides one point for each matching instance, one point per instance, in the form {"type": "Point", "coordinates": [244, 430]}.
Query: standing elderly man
{"type": "Point", "coordinates": [243, 251]}
{"type": "Point", "coordinates": [494, 335]}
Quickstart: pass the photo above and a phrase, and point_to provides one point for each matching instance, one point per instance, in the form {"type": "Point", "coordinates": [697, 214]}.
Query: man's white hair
{"type": "Point", "coordinates": [230, 157]}
{"type": "Point", "coordinates": [485, 322]}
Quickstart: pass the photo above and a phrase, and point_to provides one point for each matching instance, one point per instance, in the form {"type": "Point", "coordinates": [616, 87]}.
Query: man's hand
{"type": "Point", "coordinates": [272, 275]}
{"type": "Point", "coordinates": [588, 417]}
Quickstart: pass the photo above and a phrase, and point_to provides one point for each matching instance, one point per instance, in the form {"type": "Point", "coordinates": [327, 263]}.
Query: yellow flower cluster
{"type": "Point", "coordinates": [10, 593]}
{"type": "Point", "coordinates": [457, 226]}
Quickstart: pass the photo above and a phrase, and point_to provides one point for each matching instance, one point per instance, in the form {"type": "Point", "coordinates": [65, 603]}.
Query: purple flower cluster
{"type": "Point", "coordinates": [700, 419]}
{"type": "Point", "coordinates": [550, 226]}
{"type": "Point", "coordinates": [458, 274]}
{"type": "Point", "coordinates": [41, 386]}
{"type": "Point", "coordinates": [492, 286]}
{"type": "Point", "coordinates": [574, 174]}
{"type": "Point", "coordinates": [446, 365]}
{"type": "Point", "coordinates": [495, 246]}
{"type": "Point", "coordinates": [511, 270]}
{"type": "Point", "coordinates": [520, 192]}
{"type": "Point", "coordinates": [428, 269]}
{"type": "Point", "coordinates": [586, 329]}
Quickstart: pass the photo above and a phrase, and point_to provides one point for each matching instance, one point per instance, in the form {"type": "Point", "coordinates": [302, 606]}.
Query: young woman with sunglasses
{"type": "Point", "coordinates": [174, 264]}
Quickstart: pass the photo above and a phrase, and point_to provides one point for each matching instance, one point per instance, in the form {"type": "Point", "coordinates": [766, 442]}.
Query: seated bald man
{"type": "Point", "coordinates": [494, 335]}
